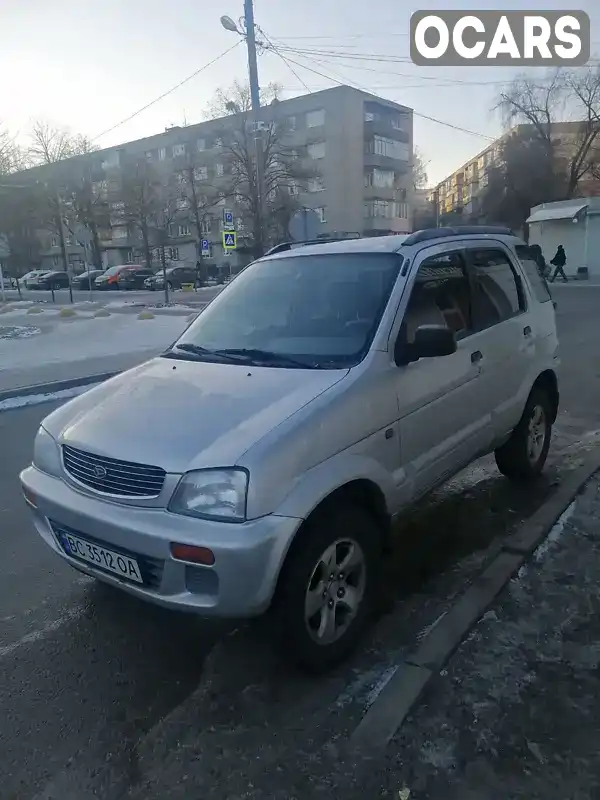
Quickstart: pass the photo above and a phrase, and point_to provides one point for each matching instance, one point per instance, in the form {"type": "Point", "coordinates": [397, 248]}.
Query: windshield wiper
{"type": "Point", "coordinates": [251, 354]}
{"type": "Point", "coordinates": [202, 352]}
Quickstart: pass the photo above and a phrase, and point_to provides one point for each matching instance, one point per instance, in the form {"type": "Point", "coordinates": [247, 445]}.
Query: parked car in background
{"type": "Point", "coordinates": [110, 279]}
{"type": "Point", "coordinates": [134, 278]}
{"type": "Point", "coordinates": [176, 278]}
{"type": "Point", "coordinates": [83, 281]}
{"type": "Point", "coordinates": [30, 278]}
{"type": "Point", "coordinates": [57, 279]}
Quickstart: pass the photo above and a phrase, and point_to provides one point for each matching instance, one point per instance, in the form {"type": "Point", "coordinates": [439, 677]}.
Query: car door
{"type": "Point", "coordinates": [443, 424]}
{"type": "Point", "coordinates": [504, 333]}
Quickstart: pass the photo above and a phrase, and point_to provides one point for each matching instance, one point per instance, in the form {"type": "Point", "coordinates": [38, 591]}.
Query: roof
{"type": "Point", "coordinates": [552, 212]}
{"type": "Point", "coordinates": [368, 244]}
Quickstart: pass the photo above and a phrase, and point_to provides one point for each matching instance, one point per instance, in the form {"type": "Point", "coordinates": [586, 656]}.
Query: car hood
{"type": "Point", "coordinates": [183, 415]}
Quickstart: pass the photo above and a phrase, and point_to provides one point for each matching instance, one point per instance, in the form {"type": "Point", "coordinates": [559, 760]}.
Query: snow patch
{"type": "Point", "coordinates": [556, 532]}
{"type": "Point", "coordinates": [36, 399]}
{"type": "Point", "coordinates": [380, 685]}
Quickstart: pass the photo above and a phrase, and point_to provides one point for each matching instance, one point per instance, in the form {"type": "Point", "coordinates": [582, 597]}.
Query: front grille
{"type": "Point", "coordinates": [151, 569]}
{"type": "Point", "coordinates": [111, 476]}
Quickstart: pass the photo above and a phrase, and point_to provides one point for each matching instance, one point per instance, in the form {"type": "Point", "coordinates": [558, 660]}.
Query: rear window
{"type": "Point", "coordinates": [537, 281]}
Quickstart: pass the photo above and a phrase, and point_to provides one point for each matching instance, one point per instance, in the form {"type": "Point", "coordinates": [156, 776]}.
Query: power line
{"type": "Point", "coordinates": [284, 59]}
{"type": "Point", "coordinates": [415, 113]}
{"type": "Point", "coordinates": [165, 94]}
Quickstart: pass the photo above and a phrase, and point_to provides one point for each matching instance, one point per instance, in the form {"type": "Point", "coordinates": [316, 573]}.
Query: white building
{"type": "Point", "coordinates": [573, 223]}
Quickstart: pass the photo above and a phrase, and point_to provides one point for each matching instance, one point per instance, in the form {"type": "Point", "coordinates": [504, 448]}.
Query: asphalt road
{"type": "Point", "coordinates": [91, 679]}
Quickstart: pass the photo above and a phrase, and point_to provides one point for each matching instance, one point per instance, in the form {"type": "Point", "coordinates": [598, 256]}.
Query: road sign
{"type": "Point", "coordinates": [229, 240]}
{"type": "Point", "coordinates": [228, 219]}
{"type": "Point", "coordinates": [305, 225]}
{"type": "Point", "coordinates": [205, 246]}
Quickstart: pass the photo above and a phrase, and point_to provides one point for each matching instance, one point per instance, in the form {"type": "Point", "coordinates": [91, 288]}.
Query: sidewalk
{"type": "Point", "coordinates": [516, 715]}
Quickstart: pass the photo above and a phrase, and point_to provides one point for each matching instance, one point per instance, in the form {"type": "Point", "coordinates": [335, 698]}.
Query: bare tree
{"type": "Point", "coordinates": [90, 207]}
{"type": "Point", "coordinates": [419, 170]}
{"type": "Point", "coordinates": [285, 173]}
{"type": "Point", "coordinates": [11, 156]}
{"type": "Point", "coordinates": [140, 196]}
{"type": "Point", "coordinates": [49, 143]}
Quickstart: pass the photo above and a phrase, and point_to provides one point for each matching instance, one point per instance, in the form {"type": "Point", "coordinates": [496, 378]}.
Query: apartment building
{"type": "Point", "coordinates": [458, 193]}
{"type": "Point", "coordinates": [358, 145]}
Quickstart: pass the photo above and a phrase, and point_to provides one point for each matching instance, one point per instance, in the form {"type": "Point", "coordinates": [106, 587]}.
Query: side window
{"type": "Point", "coordinates": [440, 296]}
{"type": "Point", "coordinates": [496, 292]}
{"type": "Point", "coordinates": [530, 267]}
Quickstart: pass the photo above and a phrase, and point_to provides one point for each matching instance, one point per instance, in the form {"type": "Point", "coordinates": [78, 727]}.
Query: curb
{"type": "Point", "coordinates": [408, 684]}
{"type": "Point", "coordinates": [55, 386]}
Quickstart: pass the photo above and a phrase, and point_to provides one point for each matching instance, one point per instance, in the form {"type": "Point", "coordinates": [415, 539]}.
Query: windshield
{"type": "Point", "coordinates": [321, 310]}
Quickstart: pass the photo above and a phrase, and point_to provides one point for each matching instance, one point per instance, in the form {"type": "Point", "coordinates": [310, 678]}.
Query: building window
{"type": "Point", "coordinates": [148, 155]}
{"type": "Point", "coordinates": [173, 253]}
{"type": "Point", "coordinates": [397, 123]}
{"type": "Point", "coordinates": [111, 161]}
{"type": "Point", "coordinates": [316, 185]}
{"type": "Point", "coordinates": [239, 225]}
{"type": "Point", "coordinates": [184, 230]}
{"type": "Point", "coordinates": [178, 150]}
{"type": "Point", "coordinates": [378, 208]}
{"type": "Point", "coordinates": [201, 145]}
{"type": "Point", "coordinates": [128, 257]}
{"type": "Point", "coordinates": [320, 211]}
{"type": "Point", "coordinates": [382, 146]}
{"type": "Point", "coordinates": [314, 119]}
{"type": "Point", "coordinates": [220, 170]}
{"type": "Point", "coordinates": [218, 142]}
{"type": "Point", "coordinates": [119, 233]}
{"type": "Point", "coordinates": [293, 189]}
{"type": "Point", "coordinates": [369, 116]}
{"type": "Point", "coordinates": [162, 153]}
{"type": "Point", "coordinates": [171, 230]}
{"type": "Point", "coordinates": [206, 226]}
{"type": "Point", "coordinates": [292, 123]}
{"type": "Point", "coordinates": [316, 150]}
{"type": "Point", "coordinates": [55, 260]}
{"type": "Point", "coordinates": [54, 241]}
{"type": "Point", "coordinates": [380, 178]}
{"type": "Point", "coordinates": [182, 203]}
{"type": "Point", "coordinates": [401, 210]}
{"type": "Point", "coordinates": [201, 173]}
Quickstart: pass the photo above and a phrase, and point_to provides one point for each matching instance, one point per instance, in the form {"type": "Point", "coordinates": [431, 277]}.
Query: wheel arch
{"type": "Point", "coordinates": [548, 381]}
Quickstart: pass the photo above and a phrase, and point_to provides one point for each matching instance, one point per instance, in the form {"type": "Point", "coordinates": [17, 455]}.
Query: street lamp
{"type": "Point", "coordinates": [249, 34]}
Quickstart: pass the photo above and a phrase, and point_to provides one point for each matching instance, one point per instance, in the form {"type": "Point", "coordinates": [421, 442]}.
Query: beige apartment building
{"type": "Point", "coordinates": [358, 144]}
{"type": "Point", "coordinates": [459, 192]}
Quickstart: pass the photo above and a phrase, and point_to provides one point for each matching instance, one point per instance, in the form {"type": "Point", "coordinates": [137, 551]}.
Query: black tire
{"type": "Point", "coordinates": [336, 524]}
{"type": "Point", "coordinates": [516, 459]}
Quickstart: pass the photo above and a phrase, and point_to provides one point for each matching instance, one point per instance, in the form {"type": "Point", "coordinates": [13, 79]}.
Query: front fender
{"type": "Point", "coordinates": [322, 480]}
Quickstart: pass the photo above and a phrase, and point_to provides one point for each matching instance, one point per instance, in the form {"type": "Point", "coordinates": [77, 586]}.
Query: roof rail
{"type": "Point", "coordinates": [283, 246]}
{"type": "Point", "coordinates": [456, 230]}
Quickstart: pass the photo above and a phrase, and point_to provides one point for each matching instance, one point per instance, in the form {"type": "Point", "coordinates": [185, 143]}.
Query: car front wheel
{"type": "Point", "coordinates": [326, 589]}
{"type": "Point", "coordinates": [523, 457]}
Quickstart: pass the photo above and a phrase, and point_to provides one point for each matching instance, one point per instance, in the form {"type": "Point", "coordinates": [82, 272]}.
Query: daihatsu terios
{"type": "Point", "coordinates": [260, 461]}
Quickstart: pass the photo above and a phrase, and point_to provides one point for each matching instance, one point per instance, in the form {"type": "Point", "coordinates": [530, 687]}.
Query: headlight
{"type": "Point", "coordinates": [46, 455]}
{"type": "Point", "coordinates": [212, 494]}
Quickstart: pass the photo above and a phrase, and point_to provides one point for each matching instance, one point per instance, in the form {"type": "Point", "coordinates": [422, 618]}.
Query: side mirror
{"type": "Point", "coordinates": [431, 341]}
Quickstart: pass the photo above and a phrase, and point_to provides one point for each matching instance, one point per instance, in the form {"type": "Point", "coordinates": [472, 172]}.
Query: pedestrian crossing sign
{"type": "Point", "coordinates": [229, 240]}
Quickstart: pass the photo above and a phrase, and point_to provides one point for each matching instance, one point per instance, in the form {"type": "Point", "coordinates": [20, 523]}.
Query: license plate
{"type": "Point", "coordinates": [123, 566]}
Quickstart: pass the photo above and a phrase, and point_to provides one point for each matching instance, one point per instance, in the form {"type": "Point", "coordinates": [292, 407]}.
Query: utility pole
{"type": "Point", "coordinates": [256, 121]}
{"type": "Point", "coordinates": [63, 243]}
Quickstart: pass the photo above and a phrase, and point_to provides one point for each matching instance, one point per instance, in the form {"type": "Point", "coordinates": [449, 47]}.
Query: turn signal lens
{"type": "Point", "coordinates": [193, 554]}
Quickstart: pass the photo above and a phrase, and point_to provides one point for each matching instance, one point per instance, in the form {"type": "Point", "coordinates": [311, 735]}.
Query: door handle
{"type": "Point", "coordinates": [476, 356]}
{"type": "Point", "coordinates": [527, 331]}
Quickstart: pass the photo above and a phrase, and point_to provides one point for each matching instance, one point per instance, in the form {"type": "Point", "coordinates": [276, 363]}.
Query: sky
{"type": "Point", "coordinates": [88, 66]}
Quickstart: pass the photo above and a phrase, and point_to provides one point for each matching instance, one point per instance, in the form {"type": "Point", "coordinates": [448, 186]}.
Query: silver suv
{"type": "Point", "coordinates": [259, 463]}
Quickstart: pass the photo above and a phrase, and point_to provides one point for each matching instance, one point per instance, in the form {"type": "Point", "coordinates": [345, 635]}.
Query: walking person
{"type": "Point", "coordinates": [559, 261]}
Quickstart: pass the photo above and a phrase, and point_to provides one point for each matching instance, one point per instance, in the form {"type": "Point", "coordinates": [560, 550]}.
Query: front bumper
{"type": "Point", "coordinates": [248, 556]}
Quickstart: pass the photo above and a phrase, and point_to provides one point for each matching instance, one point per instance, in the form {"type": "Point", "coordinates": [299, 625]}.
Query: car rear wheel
{"type": "Point", "coordinates": [522, 458]}
{"type": "Point", "coordinates": [327, 586]}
